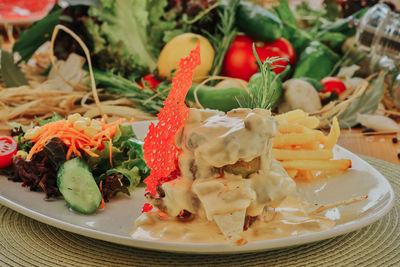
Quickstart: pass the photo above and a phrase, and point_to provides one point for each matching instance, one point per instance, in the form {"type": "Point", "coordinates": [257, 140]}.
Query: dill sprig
{"type": "Point", "coordinates": [227, 32]}
{"type": "Point", "coordinates": [263, 93]}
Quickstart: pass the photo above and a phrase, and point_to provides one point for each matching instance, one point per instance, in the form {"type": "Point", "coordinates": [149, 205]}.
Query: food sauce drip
{"type": "Point", "coordinates": [289, 218]}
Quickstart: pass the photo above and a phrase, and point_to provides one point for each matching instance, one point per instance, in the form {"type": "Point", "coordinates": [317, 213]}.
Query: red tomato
{"type": "Point", "coordinates": [8, 148]}
{"type": "Point", "coordinates": [333, 84]}
{"type": "Point", "coordinates": [150, 81]}
{"type": "Point", "coordinates": [283, 45]}
{"type": "Point", "coordinates": [240, 61]}
{"type": "Point", "coordinates": [20, 10]}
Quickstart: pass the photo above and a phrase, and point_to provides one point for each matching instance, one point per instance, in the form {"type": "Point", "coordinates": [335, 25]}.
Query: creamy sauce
{"type": "Point", "coordinates": [211, 140]}
{"type": "Point", "coordinates": [227, 176]}
{"type": "Point", "coordinates": [289, 218]}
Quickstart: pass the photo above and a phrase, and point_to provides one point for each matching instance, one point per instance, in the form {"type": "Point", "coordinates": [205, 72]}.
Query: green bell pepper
{"type": "Point", "coordinates": [316, 62]}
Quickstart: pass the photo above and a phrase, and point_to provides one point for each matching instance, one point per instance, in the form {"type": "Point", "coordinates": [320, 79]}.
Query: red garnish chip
{"type": "Point", "coordinates": [159, 148]}
{"type": "Point", "coordinates": [147, 207]}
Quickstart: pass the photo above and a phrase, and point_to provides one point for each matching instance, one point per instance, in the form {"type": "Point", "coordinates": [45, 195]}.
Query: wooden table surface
{"type": "Point", "coordinates": [377, 146]}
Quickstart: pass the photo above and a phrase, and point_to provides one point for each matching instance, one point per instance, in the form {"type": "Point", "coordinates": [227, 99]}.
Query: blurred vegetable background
{"type": "Point", "coordinates": [135, 45]}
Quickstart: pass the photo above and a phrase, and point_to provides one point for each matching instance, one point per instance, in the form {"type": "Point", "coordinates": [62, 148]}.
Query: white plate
{"type": "Point", "coordinates": [115, 223]}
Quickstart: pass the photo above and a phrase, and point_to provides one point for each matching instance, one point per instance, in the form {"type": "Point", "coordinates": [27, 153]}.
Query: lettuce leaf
{"type": "Point", "coordinates": [132, 29]}
{"type": "Point", "coordinates": [127, 159]}
{"type": "Point", "coordinates": [132, 175]}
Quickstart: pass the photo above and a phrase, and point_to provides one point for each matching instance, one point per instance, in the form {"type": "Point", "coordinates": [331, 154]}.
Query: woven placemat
{"type": "Point", "coordinates": [26, 242]}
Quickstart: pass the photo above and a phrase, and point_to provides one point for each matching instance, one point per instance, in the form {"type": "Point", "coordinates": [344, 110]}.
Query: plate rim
{"type": "Point", "coordinates": [215, 248]}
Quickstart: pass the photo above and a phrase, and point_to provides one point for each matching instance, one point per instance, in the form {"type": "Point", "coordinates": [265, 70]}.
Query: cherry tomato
{"type": "Point", "coordinates": [284, 45]}
{"type": "Point", "coordinates": [240, 61]}
{"type": "Point", "coordinates": [150, 81]}
{"type": "Point", "coordinates": [8, 148]}
{"type": "Point", "coordinates": [333, 84]}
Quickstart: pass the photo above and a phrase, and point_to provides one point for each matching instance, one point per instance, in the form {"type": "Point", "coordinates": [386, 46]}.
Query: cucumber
{"type": "Point", "coordinates": [78, 187]}
{"type": "Point", "coordinates": [258, 23]}
{"type": "Point", "coordinates": [223, 99]}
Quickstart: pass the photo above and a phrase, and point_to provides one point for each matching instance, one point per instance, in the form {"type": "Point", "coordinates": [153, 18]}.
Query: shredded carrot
{"type": "Point", "coordinates": [102, 198]}
{"type": "Point", "coordinates": [69, 153]}
{"type": "Point", "coordinates": [91, 153]}
{"type": "Point", "coordinates": [110, 148]}
{"type": "Point", "coordinates": [75, 140]}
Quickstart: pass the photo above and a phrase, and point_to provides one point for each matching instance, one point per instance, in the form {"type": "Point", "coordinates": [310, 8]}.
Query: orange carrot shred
{"type": "Point", "coordinates": [69, 152]}
{"type": "Point", "coordinates": [74, 139]}
{"type": "Point", "coordinates": [91, 153]}
{"type": "Point", "coordinates": [110, 147]}
{"type": "Point", "coordinates": [102, 198]}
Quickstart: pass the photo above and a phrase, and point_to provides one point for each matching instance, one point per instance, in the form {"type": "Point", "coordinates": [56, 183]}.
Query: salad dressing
{"type": "Point", "coordinates": [289, 218]}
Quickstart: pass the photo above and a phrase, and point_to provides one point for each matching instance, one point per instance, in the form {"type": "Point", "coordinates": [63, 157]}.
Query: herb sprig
{"type": "Point", "coordinates": [262, 94]}
{"type": "Point", "coordinates": [228, 32]}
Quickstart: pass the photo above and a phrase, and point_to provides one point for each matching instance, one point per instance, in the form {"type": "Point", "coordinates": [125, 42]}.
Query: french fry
{"type": "Point", "coordinates": [287, 154]}
{"type": "Point", "coordinates": [291, 116]}
{"type": "Point", "coordinates": [309, 122]}
{"type": "Point", "coordinates": [302, 150]}
{"type": "Point", "coordinates": [285, 127]}
{"type": "Point", "coordinates": [309, 146]}
{"type": "Point", "coordinates": [333, 135]}
{"type": "Point", "coordinates": [297, 139]}
{"type": "Point", "coordinates": [318, 165]}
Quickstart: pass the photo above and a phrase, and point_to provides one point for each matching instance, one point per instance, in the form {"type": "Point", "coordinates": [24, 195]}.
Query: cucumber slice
{"type": "Point", "coordinates": [78, 187]}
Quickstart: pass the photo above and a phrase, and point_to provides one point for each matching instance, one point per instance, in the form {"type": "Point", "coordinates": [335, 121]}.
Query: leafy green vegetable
{"type": "Point", "coordinates": [55, 117]}
{"type": "Point", "coordinates": [124, 24]}
{"type": "Point", "coordinates": [148, 100]}
{"type": "Point", "coordinates": [132, 175]}
{"type": "Point", "coordinates": [301, 38]}
{"type": "Point", "coordinates": [343, 25]}
{"type": "Point", "coordinates": [82, 2]}
{"type": "Point", "coordinates": [159, 25]}
{"type": "Point", "coordinates": [291, 31]}
{"type": "Point", "coordinates": [127, 158]}
{"type": "Point", "coordinates": [55, 151]}
{"type": "Point", "coordinates": [10, 73]}
{"type": "Point", "coordinates": [38, 33]}
{"type": "Point", "coordinates": [308, 15]}
{"type": "Point", "coordinates": [18, 125]}
{"type": "Point", "coordinates": [227, 33]}
{"type": "Point", "coordinates": [36, 174]}
{"type": "Point", "coordinates": [335, 39]}
{"type": "Point", "coordinates": [365, 104]}
{"type": "Point", "coordinates": [23, 144]}
{"type": "Point", "coordinates": [287, 17]}
{"type": "Point", "coordinates": [332, 8]}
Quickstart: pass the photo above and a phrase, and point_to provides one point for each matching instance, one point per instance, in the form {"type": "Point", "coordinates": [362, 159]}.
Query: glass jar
{"type": "Point", "coordinates": [378, 33]}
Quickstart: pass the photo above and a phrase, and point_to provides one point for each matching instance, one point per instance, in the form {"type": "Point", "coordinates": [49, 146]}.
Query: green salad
{"type": "Point", "coordinates": [87, 161]}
